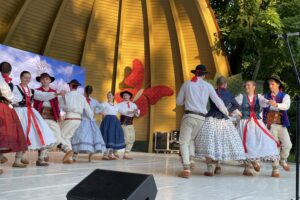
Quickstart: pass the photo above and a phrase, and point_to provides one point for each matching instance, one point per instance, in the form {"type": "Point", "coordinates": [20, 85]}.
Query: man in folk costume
{"type": "Point", "coordinates": [12, 137]}
{"type": "Point", "coordinates": [276, 118]}
{"type": "Point", "coordinates": [74, 106]}
{"type": "Point", "coordinates": [128, 111]}
{"type": "Point", "coordinates": [50, 111]}
{"type": "Point", "coordinates": [194, 95]}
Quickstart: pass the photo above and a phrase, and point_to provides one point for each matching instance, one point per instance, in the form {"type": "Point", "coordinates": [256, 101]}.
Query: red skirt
{"type": "Point", "coordinates": [12, 137]}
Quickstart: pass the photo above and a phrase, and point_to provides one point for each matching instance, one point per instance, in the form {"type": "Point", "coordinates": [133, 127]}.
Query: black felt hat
{"type": "Point", "coordinates": [74, 82]}
{"type": "Point", "coordinates": [43, 75]}
{"type": "Point", "coordinates": [200, 70]}
{"type": "Point", "coordinates": [126, 92]}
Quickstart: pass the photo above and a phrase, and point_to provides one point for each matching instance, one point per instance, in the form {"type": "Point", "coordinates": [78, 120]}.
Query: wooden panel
{"type": "Point", "coordinates": [32, 27]}
{"type": "Point", "coordinates": [165, 64]}
{"type": "Point", "coordinates": [131, 46]}
{"type": "Point", "coordinates": [198, 49]}
{"type": "Point", "coordinates": [9, 10]}
{"type": "Point", "coordinates": [98, 58]}
{"type": "Point", "coordinates": [67, 37]}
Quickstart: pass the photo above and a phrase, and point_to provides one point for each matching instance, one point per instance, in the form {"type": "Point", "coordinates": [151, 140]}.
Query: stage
{"type": "Point", "coordinates": [53, 182]}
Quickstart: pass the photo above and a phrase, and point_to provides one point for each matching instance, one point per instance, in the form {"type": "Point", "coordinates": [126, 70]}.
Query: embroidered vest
{"type": "Point", "coordinates": [23, 102]}
{"type": "Point", "coordinates": [284, 116]}
{"type": "Point", "coordinates": [246, 108]}
{"type": "Point", "coordinates": [38, 105]}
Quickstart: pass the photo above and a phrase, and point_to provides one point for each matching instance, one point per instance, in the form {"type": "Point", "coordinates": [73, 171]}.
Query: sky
{"type": "Point", "coordinates": [37, 64]}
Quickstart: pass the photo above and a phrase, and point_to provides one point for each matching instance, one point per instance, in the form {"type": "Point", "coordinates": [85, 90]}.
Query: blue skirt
{"type": "Point", "coordinates": [88, 138]}
{"type": "Point", "coordinates": [112, 132]}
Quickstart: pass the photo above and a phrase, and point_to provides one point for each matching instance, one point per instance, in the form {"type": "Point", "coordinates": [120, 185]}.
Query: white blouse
{"type": "Point", "coordinates": [5, 89]}
{"type": "Point", "coordinates": [38, 95]}
{"type": "Point", "coordinates": [109, 109]}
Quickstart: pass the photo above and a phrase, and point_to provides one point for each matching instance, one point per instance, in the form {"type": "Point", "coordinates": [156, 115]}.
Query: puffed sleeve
{"type": "Point", "coordinates": [138, 112]}
{"type": "Point", "coordinates": [263, 102]}
{"type": "Point", "coordinates": [5, 90]}
{"type": "Point", "coordinates": [239, 99]}
{"type": "Point", "coordinates": [43, 96]}
{"type": "Point", "coordinates": [286, 103]}
{"type": "Point", "coordinates": [17, 96]}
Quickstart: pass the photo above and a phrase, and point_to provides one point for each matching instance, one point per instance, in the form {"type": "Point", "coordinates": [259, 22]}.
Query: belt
{"type": "Point", "coordinates": [47, 113]}
{"type": "Point", "coordinates": [194, 113]}
{"type": "Point", "coordinates": [125, 120]}
{"type": "Point", "coordinates": [72, 119]}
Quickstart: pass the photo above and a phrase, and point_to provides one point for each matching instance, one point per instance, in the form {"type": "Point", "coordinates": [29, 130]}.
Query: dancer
{"type": "Point", "coordinates": [218, 139]}
{"type": "Point", "coordinates": [50, 111]}
{"type": "Point", "coordinates": [75, 105]}
{"type": "Point", "coordinates": [276, 118]}
{"type": "Point", "coordinates": [128, 111]}
{"type": "Point", "coordinates": [111, 129]}
{"type": "Point", "coordinates": [258, 142]}
{"type": "Point", "coordinates": [12, 137]}
{"type": "Point", "coordinates": [88, 137]}
{"type": "Point", "coordinates": [194, 96]}
{"type": "Point", "coordinates": [37, 132]}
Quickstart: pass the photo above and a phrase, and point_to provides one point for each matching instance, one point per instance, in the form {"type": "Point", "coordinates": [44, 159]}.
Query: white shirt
{"type": "Point", "coordinates": [285, 105]}
{"type": "Point", "coordinates": [125, 108]}
{"type": "Point", "coordinates": [195, 95]}
{"type": "Point", "coordinates": [109, 109]}
{"type": "Point", "coordinates": [5, 89]}
{"type": "Point", "coordinates": [38, 95]}
{"type": "Point", "coordinates": [76, 103]}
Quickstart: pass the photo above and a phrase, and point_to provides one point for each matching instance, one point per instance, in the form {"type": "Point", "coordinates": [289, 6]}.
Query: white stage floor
{"type": "Point", "coordinates": [53, 182]}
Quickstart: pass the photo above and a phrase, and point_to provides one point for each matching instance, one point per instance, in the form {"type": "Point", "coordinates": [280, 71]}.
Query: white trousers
{"type": "Point", "coordinates": [69, 128]}
{"type": "Point", "coordinates": [281, 134]}
{"type": "Point", "coordinates": [190, 127]}
{"type": "Point", "coordinates": [129, 136]}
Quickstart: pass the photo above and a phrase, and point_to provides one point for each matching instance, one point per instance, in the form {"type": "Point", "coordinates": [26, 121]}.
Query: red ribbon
{"type": "Point", "coordinates": [128, 104]}
{"type": "Point", "coordinates": [253, 116]}
{"type": "Point", "coordinates": [88, 99]}
{"type": "Point", "coordinates": [31, 116]}
{"type": "Point", "coordinates": [195, 78]}
{"type": "Point", "coordinates": [6, 78]}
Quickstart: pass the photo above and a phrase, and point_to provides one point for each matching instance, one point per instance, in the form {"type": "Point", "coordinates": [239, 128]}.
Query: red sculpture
{"type": "Point", "coordinates": [143, 97]}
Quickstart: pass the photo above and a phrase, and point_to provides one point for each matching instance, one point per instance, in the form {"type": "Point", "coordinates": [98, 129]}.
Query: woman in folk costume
{"type": "Point", "coordinates": [88, 137]}
{"type": "Point", "coordinates": [258, 142]}
{"type": "Point", "coordinates": [218, 139]}
{"type": "Point", "coordinates": [12, 137]}
{"type": "Point", "coordinates": [111, 129]}
{"type": "Point", "coordinates": [37, 132]}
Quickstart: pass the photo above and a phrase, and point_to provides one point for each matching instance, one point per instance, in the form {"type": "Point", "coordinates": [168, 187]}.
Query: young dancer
{"type": "Point", "coordinates": [12, 138]}
{"type": "Point", "coordinates": [218, 139]}
{"type": "Point", "coordinates": [88, 137]}
{"type": "Point", "coordinates": [74, 104]}
{"type": "Point", "coordinates": [111, 129]}
{"type": "Point", "coordinates": [50, 111]}
{"type": "Point", "coordinates": [258, 142]}
{"type": "Point", "coordinates": [276, 117]}
{"type": "Point", "coordinates": [128, 111]}
{"type": "Point", "coordinates": [194, 95]}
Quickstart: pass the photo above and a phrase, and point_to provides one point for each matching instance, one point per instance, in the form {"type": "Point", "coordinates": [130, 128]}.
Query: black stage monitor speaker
{"type": "Point", "coordinates": [113, 185]}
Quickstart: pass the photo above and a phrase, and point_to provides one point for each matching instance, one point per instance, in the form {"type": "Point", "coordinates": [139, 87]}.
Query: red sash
{"type": "Point", "coordinates": [253, 116]}
{"type": "Point", "coordinates": [31, 116]}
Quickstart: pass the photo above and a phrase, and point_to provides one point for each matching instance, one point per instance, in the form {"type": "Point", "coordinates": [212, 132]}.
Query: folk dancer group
{"type": "Point", "coordinates": [30, 119]}
{"type": "Point", "coordinates": [213, 136]}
